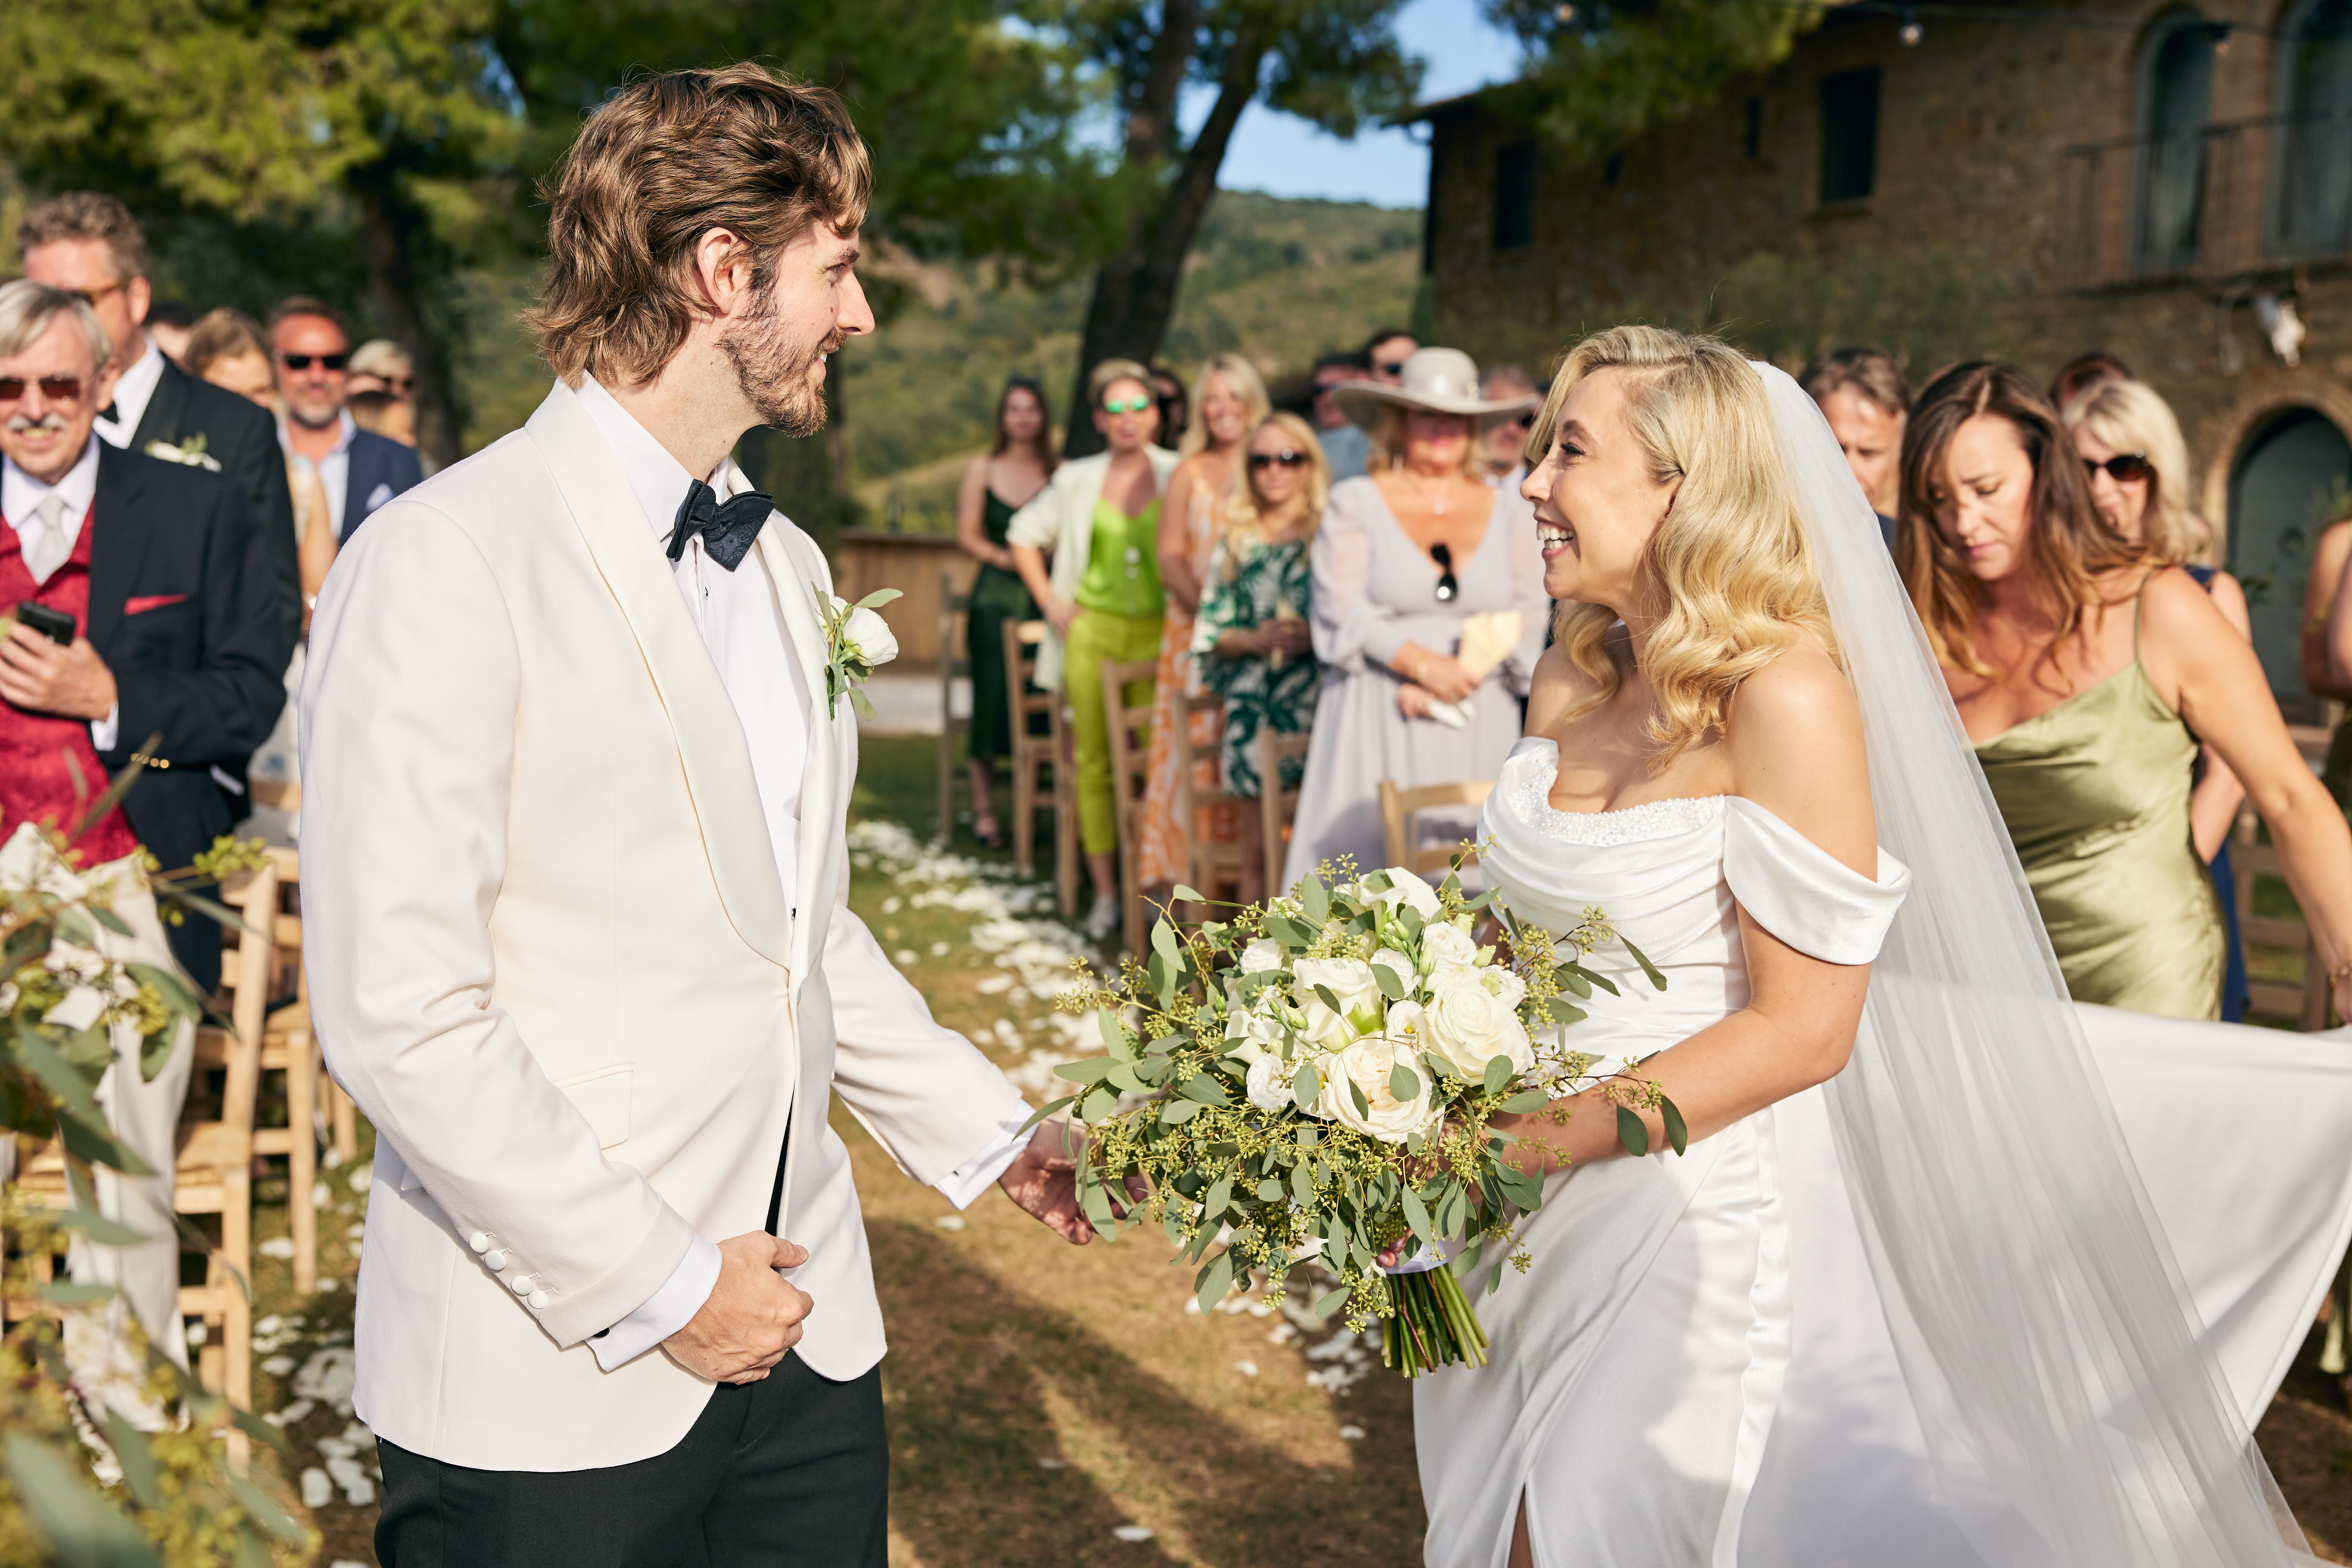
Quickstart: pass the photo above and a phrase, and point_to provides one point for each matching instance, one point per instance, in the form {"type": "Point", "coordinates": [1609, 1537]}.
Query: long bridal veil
{"type": "Point", "coordinates": [2042, 1328]}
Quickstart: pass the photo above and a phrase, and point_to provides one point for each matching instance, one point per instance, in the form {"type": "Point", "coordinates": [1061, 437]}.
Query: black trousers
{"type": "Point", "coordinates": [792, 1471]}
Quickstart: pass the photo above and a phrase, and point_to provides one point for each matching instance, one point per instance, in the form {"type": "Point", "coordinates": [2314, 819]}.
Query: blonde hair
{"type": "Point", "coordinates": [1111, 372]}
{"type": "Point", "coordinates": [1740, 584]}
{"type": "Point", "coordinates": [1244, 382]}
{"type": "Point", "coordinates": [1243, 523]}
{"type": "Point", "coordinates": [1388, 441]}
{"type": "Point", "coordinates": [2132, 417]}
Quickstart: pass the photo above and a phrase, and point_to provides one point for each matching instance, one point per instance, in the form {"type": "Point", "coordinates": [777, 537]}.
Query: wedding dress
{"type": "Point", "coordinates": [1927, 1313]}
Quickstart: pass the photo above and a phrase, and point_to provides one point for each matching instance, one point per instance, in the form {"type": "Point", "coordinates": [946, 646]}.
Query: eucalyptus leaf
{"type": "Point", "coordinates": [1163, 941]}
{"type": "Point", "coordinates": [1330, 999]}
{"type": "Point", "coordinates": [1498, 1073]}
{"type": "Point", "coordinates": [1677, 1133]}
{"type": "Point", "coordinates": [1632, 1133]}
{"type": "Point", "coordinates": [1042, 1112]}
{"type": "Point", "coordinates": [1416, 1214]}
{"type": "Point", "coordinates": [1204, 1088]}
{"type": "Point", "coordinates": [1356, 1093]}
{"type": "Point", "coordinates": [1656, 979]}
{"type": "Point", "coordinates": [1386, 979]}
{"type": "Point", "coordinates": [1409, 919]}
{"type": "Point", "coordinates": [1122, 1075]}
{"type": "Point", "coordinates": [1176, 1112]}
{"type": "Point", "coordinates": [76, 1521]}
{"type": "Point", "coordinates": [1269, 1191]}
{"type": "Point", "coordinates": [1403, 1082]}
{"type": "Point", "coordinates": [878, 598]}
{"type": "Point", "coordinates": [1221, 1196]}
{"type": "Point", "coordinates": [1330, 1301]}
{"type": "Point", "coordinates": [1114, 1033]}
{"type": "Point", "coordinates": [99, 1147]}
{"type": "Point", "coordinates": [1094, 1069]}
{"type": "Point", "coordinates": [109, 920]}
{"type": "Point", "coordinates": [1564, 1011]}
{"type": "Point", "coordinates": [1314, 901]}
{"type": "Point", "coordinates": [1573, 979]}
{"type": "Point", "coordinates": [263, 1513]}
{"type": "Point", "coordinates": [1527, 1099]}
{"type": "Point", "coordinates": [136, 1458]}
{"type": "Point", "coordinates": [1098, 1106]}
{"type": "Point", "coordinates": [73, 1295]}
{"type": "Point", "coordinates": [97, 1226]}
{"type": "Point", "coordinates": [1189, 894]}
{"type": "Point", "coordinates": [58, 1075]}
{"type": "Point", "coordinates": [1211, 1285]}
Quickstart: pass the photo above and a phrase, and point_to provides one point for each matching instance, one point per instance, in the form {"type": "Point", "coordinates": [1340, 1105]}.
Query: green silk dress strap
{"type": "Point", "coordinates": [2096, 796]}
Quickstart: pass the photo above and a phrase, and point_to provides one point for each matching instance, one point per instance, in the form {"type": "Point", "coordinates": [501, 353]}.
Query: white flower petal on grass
{"type": "Point", "coordinates": [278, 1247]}
{"type": "Point", "coordinates": [1132, 1533]}
{"type": "Point", "coordinates": [278, 1366]}
{"type": "Point", "coordinates": [904, 957]}
{"type": "Point", "coordinates": [1351, 1434]}
{"type": "Point", "coordinates": [317, 1491]}
{"type": "Point", "coordinates": [1052, 1464]}
{"type": "Point", "coordinates": [1247, 1368]}
{"type": "Point", "coordinates": [949, 1222]}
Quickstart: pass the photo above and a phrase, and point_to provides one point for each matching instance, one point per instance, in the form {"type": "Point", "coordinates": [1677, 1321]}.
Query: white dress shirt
{"type": "Point", "coordinates": [47, 534]}
{"type": "Point", "coordinates": [132, 392]}
{"type": "Point", "coordinates": [742, 625]}
{"type": "Point", "coordinates": [334, 469]}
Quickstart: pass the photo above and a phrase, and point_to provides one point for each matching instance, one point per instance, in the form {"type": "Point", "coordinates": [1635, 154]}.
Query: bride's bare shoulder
{"type": "Point", "coordinates": [1795, 744]}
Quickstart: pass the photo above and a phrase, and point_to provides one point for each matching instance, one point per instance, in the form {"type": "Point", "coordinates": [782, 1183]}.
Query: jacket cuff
{"type": "Point", "coordinates": [571, 1317]}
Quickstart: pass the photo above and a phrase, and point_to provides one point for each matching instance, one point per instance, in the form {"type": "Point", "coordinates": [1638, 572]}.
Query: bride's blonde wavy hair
{"type": "Point", "coordinates": [1740, 580]}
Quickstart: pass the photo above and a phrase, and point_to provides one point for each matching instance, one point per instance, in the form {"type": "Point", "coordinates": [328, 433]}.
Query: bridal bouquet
{"type": "Point", "coordinates": [1317, 1079]}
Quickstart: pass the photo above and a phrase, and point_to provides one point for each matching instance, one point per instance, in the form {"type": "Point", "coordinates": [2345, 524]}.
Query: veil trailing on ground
{"type": "Point", "coordinates": [2042, 1326]}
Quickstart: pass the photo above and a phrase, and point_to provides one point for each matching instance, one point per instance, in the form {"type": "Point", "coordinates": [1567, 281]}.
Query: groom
{"type": "Point", "coordinates": [573, 905]}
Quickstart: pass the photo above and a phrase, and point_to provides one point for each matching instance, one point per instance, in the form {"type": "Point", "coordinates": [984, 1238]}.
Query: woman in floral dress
{"type": "Point", "coordinates": [1251, 642]}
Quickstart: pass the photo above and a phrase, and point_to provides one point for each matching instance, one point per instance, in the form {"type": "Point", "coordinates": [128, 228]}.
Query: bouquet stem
{"type": "Point", "coordinates": [1432, 1325]}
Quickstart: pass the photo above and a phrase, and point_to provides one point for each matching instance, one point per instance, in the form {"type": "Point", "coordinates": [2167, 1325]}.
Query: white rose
{"type": "Point", "coordinates": [1469, 1026]}
{"type": "Point", "coordinates": [1260, 955]}
{"type": "Point", "coordinates": [1448, 946]}
{"type": "Point", "coordinates": [1505, 984]}
{"type": "Point", "coordinates": [1256, 1031]}
{"type": "Point", "coordinates": [1269, 1084]}
{"type": "Point", "coordinates": [1404, 887]}
{"type": "Point", "coordinates": [868, 637]}
{"type": "Point", "coordinates": [1367, 1065]}
{"type": "Point", "coordinates": [1351, 982]}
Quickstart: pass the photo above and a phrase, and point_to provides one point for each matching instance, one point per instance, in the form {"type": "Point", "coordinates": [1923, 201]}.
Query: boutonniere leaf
{"type": "Point", "coordinates": [858, 641]}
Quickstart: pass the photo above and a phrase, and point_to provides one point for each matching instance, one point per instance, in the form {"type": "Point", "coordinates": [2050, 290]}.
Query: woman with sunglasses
{"type": "Point", "coordinates": [2087, 667]}
{"type": "Point", "coordinates": [1404, 556]}
{"type": "Point", "coordinates": [2137, 462]}
{"type": "Point", "coordinates": [1232, 401]}
{"type": "Point", "coordinates": [1250, 643]}
{"type": "Point", "coordinates": [1098, 518]}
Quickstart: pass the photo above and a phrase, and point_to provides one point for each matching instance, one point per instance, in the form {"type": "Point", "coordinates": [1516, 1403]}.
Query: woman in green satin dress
{"type": "Point", "coordinates": [2086, 671]}
{"type": "Point", "coordinates": [1015, 469]}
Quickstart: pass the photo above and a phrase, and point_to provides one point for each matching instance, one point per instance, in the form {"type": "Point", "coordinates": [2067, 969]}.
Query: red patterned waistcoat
{"type": "Point", "coordinates": [37, 781]}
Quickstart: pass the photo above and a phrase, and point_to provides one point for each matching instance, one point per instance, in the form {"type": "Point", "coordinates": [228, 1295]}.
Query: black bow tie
{"type": "Point", "coordinates": [726, 531]}
{"type": "Point", "coordinates": [107, 413]}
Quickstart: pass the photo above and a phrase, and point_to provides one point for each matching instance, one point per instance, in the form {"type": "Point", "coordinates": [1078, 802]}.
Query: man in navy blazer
{"type": "Point", "coordinates": [360, 471]}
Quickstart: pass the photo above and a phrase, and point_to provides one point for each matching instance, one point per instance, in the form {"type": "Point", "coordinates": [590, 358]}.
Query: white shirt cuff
{"type": "Point", "coordinates": [102, 731]}
{"type": "Point", "coordinates": [665, 1312]}
{"type": "Point", "coordinates": [976, 1174]}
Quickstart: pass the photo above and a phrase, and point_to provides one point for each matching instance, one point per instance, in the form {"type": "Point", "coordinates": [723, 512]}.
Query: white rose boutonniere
{"type": "Point", "coordinates": [856, 642]}
{"type": "Point", "coordinates": [189, 452]}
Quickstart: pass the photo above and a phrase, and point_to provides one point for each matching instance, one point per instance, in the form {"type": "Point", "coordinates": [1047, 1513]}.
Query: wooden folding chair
{"type": "Point", "coordinates": [954, 610]}
{"type": "Point", "coordinates": [1278, 807]}
{"type": "Point", "coordinates": [1208, 865]}
{"type": "Point", "coordinates": [1401, 812]}
{"type": "Point", "coordinates": [1130, 775]}
{"type": "Point", "coordinates": [331, 1104]}
{"type": "Point", "coordinates": [1031, 751]}
{"type": "Point", "coordinates": [289, 1047]}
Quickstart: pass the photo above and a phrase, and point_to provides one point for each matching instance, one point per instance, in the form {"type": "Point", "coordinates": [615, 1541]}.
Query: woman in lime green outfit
{"type": "Point", "coordinates": [1099, 521]}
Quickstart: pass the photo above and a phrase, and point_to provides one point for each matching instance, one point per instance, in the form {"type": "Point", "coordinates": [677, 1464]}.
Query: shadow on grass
{"type": "Point", "coordinates": [975, 1374]}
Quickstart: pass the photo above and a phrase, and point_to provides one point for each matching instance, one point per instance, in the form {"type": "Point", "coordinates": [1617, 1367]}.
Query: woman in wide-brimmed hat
{"type": "Point", "coordinates": [1404, 557]}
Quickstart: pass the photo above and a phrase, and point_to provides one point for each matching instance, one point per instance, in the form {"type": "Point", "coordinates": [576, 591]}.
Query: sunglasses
{"type": "Point", "coordinates": [302, 362]}
{"type": "Point", "coordinates": [56, 388]}
{"type": "Point", "coordinates": [1127, 406]}
{"type": "Point", "coordinates": [1447, 585]}
{"type": "Point", "coordinates": [1276, 460]}
{"type": "Point", "coordinates": [2124, 467]}
{"type": "Point", "coordinates": [1526, 421]}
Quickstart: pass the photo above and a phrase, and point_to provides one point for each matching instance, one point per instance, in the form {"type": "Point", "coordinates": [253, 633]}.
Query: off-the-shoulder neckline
{"type": "Point", "coordinates": [1617, 810]}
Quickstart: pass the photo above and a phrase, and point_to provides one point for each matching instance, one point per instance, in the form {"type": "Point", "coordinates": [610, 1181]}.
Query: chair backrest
{"type": "Point", "coordinates": [1400, 810]}
{"type": "Point", "coordinates": [1023, 639]}
{"type": "Point", "coordinates": [1130, 776]}
{"type": "Point", "coordinates": [1278, 806]}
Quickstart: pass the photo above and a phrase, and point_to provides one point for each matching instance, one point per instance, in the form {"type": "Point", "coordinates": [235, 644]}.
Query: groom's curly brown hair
{"type": "Point", "coordinates": [659, 164]}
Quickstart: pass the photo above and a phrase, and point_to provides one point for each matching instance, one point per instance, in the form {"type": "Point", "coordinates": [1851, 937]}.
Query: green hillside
{"type": "Point", "coordinates": [1278, 281]}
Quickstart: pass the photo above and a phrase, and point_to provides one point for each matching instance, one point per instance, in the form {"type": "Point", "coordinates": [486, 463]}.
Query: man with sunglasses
{"type": "Point", "coordinates": [359, 469]}
{"type": "Point", "coordinates": [88, 244]}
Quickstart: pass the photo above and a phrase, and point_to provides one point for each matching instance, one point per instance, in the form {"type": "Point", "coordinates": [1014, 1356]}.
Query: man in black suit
{"type": "Point", "coordinates": [88, 244]}
{"type": "Point", "coordinates": [178, 640]}
{"type": "Point", "coordinates": [360, 469]}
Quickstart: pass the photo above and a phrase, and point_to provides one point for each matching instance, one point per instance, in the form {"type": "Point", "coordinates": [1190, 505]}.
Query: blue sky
{"type": "Point", "coordinates": [1287, 157]}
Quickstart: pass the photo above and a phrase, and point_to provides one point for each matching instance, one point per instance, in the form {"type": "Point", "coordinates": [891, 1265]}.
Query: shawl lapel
{"type": "Point", "coordinates": [711, 743]}
{"type": "Point", "coordinates": [166, 413]}
{"type": "Point", "coordinates": [121, 532]}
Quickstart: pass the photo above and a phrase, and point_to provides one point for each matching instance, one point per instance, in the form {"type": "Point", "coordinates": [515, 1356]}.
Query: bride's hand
{"type": "Point", "coordinates": [1413, 701]}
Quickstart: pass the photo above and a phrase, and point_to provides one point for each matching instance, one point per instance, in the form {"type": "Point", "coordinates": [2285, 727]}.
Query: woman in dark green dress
{"type": "Point", "coordinates": [1019, 462]}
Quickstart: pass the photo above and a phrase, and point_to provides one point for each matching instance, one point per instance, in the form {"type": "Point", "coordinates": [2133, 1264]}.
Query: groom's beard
{"type": "Point", "coordinates": [773, 375]}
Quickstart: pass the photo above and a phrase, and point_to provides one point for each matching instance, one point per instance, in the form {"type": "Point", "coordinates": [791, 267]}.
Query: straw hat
{"type": "Point", "coordinates": [1445, 381]}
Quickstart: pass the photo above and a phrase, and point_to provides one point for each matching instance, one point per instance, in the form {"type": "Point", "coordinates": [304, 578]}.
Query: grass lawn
{"type": "Point", "coordinates": [1044, 1396]}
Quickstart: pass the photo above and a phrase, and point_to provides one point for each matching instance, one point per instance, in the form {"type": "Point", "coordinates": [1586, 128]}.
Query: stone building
{"type": "Point", "coordinates": [2170, 181]}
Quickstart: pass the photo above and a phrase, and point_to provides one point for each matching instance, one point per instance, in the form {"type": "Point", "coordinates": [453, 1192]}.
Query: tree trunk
{"type": "Point", "coordinates": [394, 232]}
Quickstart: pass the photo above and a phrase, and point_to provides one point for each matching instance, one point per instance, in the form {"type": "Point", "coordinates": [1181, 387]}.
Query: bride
{"type": "Point", "coordinates": [1941, 1257]}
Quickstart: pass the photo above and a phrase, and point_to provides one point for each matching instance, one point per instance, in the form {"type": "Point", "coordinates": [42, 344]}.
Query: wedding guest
{"type": "Point", "coordinates": [88, 244]}
{"type": "Point", "coordinates": [1175, 405]}
{"type": "Point", "coordinates": [2132, 447]}
{"type": "Point", "coordinates": [1251, 642]}
{"type": "Point", "coordinates": [1007, 478]}
{"type": "Point", "coordinates": [1402, 558]}
{"type": "Point", "coordinates": [2326, 662]}
{"type": "Point", "coordinates": [384, 414]}
{"type": "Point", "coordinates": [1502, 440]}
{"type": "Point", "coordinates": [1860, 393]}
{"type": "Point", "coordinates": [2088, 670]}
{"type": "Point", "coordinates": [1348, 449]}
{"type": "Point", "coordinates": [169, 323]}
{"type": "Point", "coordinates": [1099, 519]}
{"type": "Point", "coordinates": [1232, 402]}
{"type": "Point", "coordinates": [380, 364]}
{"type": "Point", "coordinates": [2085, 371]}
{"type": "Point", "coordinates": [1385, 353]}
{"type": "Point", "coordinates": [229, 349]}
{"type": "Point", "coordinates": [360, 469]}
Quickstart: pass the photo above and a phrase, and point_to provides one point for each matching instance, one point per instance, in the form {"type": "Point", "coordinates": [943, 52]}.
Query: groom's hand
{"type": "Point", "coordinates": [753, 1316]}
{"type": "Point", "coordinates": [1043, 1180]}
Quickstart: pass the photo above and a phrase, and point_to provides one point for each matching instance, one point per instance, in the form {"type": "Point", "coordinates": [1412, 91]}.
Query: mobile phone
{"type": "Point", "coordinates": [55, 624]}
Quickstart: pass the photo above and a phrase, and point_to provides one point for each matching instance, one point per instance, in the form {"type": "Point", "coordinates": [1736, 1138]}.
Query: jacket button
{"type": "Point", "coordinates": [494, 1261]}
{"type": "Point", "coordinates": [539, 1300]}
{"type": "Point", "coordinates": [479, 1241]}
{"type": "Point", "coordinates": [522, 1284]}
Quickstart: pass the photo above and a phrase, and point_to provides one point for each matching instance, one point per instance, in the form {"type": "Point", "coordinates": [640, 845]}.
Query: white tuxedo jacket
{"type": "Point", "coordinates": [550, 957]}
